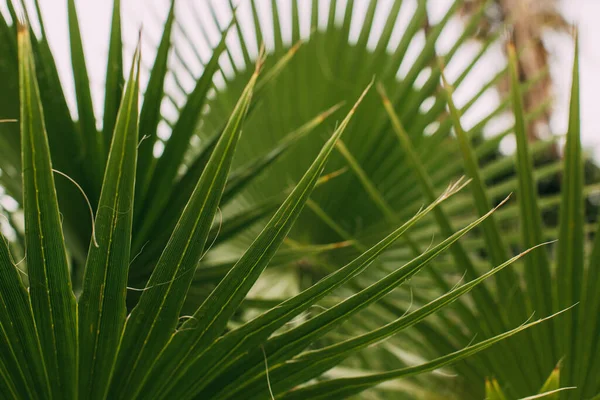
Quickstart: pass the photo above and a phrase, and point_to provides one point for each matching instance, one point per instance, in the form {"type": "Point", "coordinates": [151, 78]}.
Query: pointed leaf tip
{"type": "Point", "coordinates": [325, 114]}
{"type": "Point", "coordinates": [361, 97]}
{"type": "Point", "coordinates": [296, 46]}
{"type": "Point", "coordinates": [383, 94]}
{"type": "Point", "coordinates": [260, 61]}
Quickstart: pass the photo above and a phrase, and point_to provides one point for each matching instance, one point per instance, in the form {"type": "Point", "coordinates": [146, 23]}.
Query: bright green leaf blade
{"type": "Point", "coordinates": [551, 384]}
{"type": "Point", "coordinates": [490, 320]}
{"type": "Point", "coordinates": [537, 271]}
{"type": "Point", "coordinates": [286, 345]}
{"type": "Point", "coordinates": [179, 196]}
{"type": "Point", "coordinates": [155, 317]}
{"type": "Point", "coordinates": [366, 183]}
{"type": "Point", "coordinates": [345, 387]}
{"type": "Point", "coordinates": [278, 68]}
{"type": "Point", "coordinates": [150, 113]}
{"type": "Point", "coordinates": [237, 180]}
{"type": "Point", "coordinates": [114, 76]}
{"type": "Point", "coordinates": [589, 350]}
{"type": "Point", "coordinates": [65, 145]}
{"type": "Point", "coordinates": [221, 232]}
{"type": "Point", "coordinates": [552, 394]}
{"type": "Point", "coordinates": [242, 176]}
{"type": "Point", "coordinates": [570, 250]}
{"type": "Point", "coordinates": [253, 333]}
{"type": "Point", "coordinates": [102, 308]}
{"type": "Point", "coordinates": [497, 251]}
{"type": "Point", "coordinates": [95, 150]}
{"type": "Point", "coordinates": [168, 164]}
{"type": "Point", "coordinates": [509, 286]}
{"type": "Point", "coordinates": [311, 364]}
{"type": "Point", "coordinates": [52, 298]}
{"type": "Point", "coordinates": [214, 272]}
{"type": "Point", "coordinates": [211, 318]}
{"type": "Point", "coordinates": [493, 391]}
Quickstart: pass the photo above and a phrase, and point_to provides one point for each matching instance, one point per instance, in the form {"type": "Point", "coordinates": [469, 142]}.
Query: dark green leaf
{"type": "Point", "coordinates": [114, 76]}
{"type": "Point", "coordinates": [102, 307]}
{"type": "Point", "coordinates": [53, 301]}
{"type": "Point", "coordinates": [153, 320]}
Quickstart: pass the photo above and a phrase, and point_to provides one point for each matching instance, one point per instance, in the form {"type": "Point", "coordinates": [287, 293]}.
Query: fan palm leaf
{"type": "Point", "coordinates": [203, 274]}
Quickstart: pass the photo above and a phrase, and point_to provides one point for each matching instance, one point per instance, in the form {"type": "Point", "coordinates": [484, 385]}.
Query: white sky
{"type": "Point", "coordinates": [95, 21]}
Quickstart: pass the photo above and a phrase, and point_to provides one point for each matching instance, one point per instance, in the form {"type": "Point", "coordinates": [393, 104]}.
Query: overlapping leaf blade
{"type": "Point", "coordinates": [253, 333]}
{"type": "Point", "coordinates": [507, 282]}
{"type": "Point", "coordinates": [150, 113]}
{"type": "Point", "coordinates": [53, 301]}
{"type": "Point", "coordinates": [345, 387]}
{"type": "Point", "coordinates": [491, 320]}
{"type": "Point", "coordinates": [95, 149]}
{"type": "Point", "coordinates": [311, 364]}
{"type": "Point", "coordinates": [167, 165]}
{"type": "Point", "coordinates": [20, 342]}
{"type": "Point", "coordinates": [343, 211]}
{"type": "Point", "coordinates": [570, 252]}
{"type": "Point", "coordinates": [236, 182]}
{"type": "Point", "coordinates": [209, 321]}
{"type": "Point", "coordinates": [286, 345]}
{"type": "Point", "coordinates": [102, 308]}
{"type": "Point", "coordinates": [114, 76]}
{"type": "Point", "coordinates": [155, 316]}
{"type": "Point", "coordinates": [537, 264]}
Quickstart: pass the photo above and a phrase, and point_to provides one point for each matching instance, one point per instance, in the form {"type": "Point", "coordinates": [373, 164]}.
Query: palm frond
{"type": "Point", "coordinates": [286, 261]}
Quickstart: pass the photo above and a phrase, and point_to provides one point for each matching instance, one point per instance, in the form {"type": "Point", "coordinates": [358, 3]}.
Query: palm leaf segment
{"type": "Point", "coordinates": [195, 252]}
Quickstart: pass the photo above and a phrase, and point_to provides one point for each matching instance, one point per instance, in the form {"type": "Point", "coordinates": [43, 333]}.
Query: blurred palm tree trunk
{"type": "Point", "coordinates": [528, 20]}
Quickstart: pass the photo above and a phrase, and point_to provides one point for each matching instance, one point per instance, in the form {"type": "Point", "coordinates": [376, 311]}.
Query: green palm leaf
{"type": "Point", "coordinates": [102, 308]}
{"type": "Point", "coordinates": [267, 264]}
{"type": "Point", "coordinates": [156, 314]}
{"type": "Point", "coordinates": [52, 299]}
